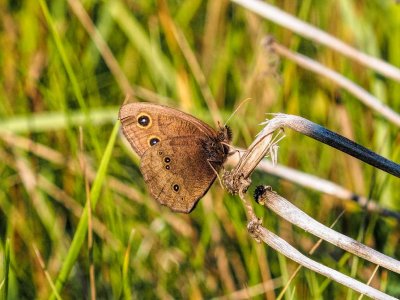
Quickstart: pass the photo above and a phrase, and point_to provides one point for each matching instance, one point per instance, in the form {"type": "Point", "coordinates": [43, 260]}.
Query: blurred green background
{"type": "Point", "coordinates": [203, 57]}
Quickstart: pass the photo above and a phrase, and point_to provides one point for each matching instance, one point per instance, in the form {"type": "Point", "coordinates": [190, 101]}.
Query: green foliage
{"type": "Point", "coordinates": [54, 79]}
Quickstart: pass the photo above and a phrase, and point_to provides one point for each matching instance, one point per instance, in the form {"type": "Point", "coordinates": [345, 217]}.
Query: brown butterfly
{"type": "Point", "coordinates": [180, 155]}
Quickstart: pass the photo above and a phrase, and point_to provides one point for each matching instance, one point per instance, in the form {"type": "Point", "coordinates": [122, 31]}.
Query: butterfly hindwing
{"type": "Point", "coordinates": [177, 172]}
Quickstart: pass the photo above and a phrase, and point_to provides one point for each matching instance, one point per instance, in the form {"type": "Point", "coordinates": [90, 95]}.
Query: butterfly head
{"type": "Point", "coordinates": [217, 147]}
{"type": "Point", "coordinates": [225, 134]}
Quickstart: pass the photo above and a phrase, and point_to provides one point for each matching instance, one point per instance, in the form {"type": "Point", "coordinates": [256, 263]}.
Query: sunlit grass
{"type": "Point", "coordinates": [204, 58]}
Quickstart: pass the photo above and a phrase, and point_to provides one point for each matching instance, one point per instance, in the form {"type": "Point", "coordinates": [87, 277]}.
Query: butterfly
{"type": "Point", "coordinates": [180, 155]}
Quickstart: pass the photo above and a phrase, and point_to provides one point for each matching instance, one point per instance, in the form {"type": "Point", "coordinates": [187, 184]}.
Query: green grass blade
{"type": "Point", "coordinates": [52, 121]}
{"type": "Point", "coordinates": [71, 74]}
{"type": "Point", "coordinates": [4, 284]}
{"type": "Point", "coordinates": [158, 65]}
{"type": "Point", "coordinates": [125, 268]}
{"type": "Point", "coordinates": [63, 55]}
{"type": "Point", "coordinates": [81, 231]}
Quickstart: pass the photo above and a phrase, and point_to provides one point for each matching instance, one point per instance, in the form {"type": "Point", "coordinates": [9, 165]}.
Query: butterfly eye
{"type": "Point", "coordinates": [175, 187]}
{"type": "Point", "coordinates": [144, 120]}
{"type": "Point", "coordinates": [154, 141]}
{"type": "Point", "coordinates": [167, 167]}
{"type": "Point", "coordinates": [167, 159]}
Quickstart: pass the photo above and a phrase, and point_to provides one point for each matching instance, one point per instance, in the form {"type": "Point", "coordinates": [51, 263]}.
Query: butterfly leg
{"type": "Point", "coordinates": [215, 171]}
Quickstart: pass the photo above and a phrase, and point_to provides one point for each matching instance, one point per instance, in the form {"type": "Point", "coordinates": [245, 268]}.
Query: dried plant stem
{"type": "Point", "coordinates": [370, 279]}
{"type": "Point", "coordinates": [252, 291]}
{"type": "Point", "coordinates": [101, 45]}
{"type": "Point", "coordinates": [238, 179]}
{"type": "Point", "coordinates": [109, 58]}
{"type": "Point", "coordinates": [313, 249]}
{"type": "Point", "coordinates": [286, 249]}
{"type": "Point", "coordinates": [46, 273]}
{"type": "Point", "coordinates": [318, 184]}
{"type": "Point", "coordinates": [339, 142]}
{"type": "Point", "coordinates": [324, 186]}
{"type": "Point", "coordinates": [291, 213]}
{"type": "Point", "coordinates": [304, 29]}
{"type": "Point", "coordinates": [57, 158]}
{"type": "Point", "coordinates": [197, 73]}
{"type": "Point", "coordinates": [361, 94]}
{"type": "Point", "coordinates": [332, 139]}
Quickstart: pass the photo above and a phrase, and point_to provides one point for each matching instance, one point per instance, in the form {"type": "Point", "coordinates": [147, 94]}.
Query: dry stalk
{"type": "Point", "coordinates": [294, 215]}
{"type": "Point", "coordinates": [238, 180]}
{"type": "Point", "coordinates": [306, 30]}
{"type": "Point", "coordinates": [358, 92]}
{"type": "Point", "coordinates": [286, 249]}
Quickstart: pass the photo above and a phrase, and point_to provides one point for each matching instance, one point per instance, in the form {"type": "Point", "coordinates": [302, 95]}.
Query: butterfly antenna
{"type": "Point", "coordinates": [237, 108]}
{"type": "Point", "coordinates": [127, 97]}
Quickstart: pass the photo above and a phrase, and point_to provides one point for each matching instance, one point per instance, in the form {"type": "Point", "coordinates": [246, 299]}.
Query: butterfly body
{"type": "Point", "coordinates": [180, 155]}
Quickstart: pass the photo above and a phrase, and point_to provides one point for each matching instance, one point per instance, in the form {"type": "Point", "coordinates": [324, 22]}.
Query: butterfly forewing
{"type": "Point", "coordinates": [142, 122]}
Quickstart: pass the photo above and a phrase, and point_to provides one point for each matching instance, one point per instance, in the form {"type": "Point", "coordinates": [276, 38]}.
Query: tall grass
{"type": "Point", "coordinates": [203, 57]}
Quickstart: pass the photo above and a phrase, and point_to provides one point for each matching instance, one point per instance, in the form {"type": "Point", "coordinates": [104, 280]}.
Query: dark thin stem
{"type": "Point", "coordinates": [343, 144]}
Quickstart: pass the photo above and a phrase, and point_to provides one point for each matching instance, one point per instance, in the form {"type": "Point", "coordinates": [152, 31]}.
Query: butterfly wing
{"type": "Point", "coordinates": [177, 172]}
{"type": "Point", "coordinates": [176, 152]}
{"type": "Point", "coordinates": [146, 124]}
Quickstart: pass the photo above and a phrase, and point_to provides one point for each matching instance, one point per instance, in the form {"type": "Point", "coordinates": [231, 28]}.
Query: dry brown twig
{"type": "Point", "coordinates": [238, 180]}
